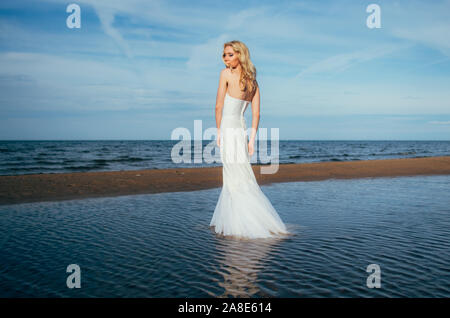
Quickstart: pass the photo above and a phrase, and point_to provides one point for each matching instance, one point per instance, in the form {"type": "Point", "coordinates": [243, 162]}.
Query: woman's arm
{"type": "Point", "coordinates": [255, 114]}
{"type": "Point", "coordinates": [221, 91]}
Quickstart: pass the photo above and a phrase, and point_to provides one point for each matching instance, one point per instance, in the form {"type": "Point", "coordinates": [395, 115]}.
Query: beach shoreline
{"type": "Point", "coordinates": [80, 185]}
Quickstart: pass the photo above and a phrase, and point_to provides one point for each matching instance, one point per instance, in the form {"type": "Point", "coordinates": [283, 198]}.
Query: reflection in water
{"type": "Point", "coordinates": [240, 260]}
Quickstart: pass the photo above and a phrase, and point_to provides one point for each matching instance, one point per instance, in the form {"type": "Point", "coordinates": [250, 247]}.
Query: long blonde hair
{"type": "Point", "coordinates": [248, 74]}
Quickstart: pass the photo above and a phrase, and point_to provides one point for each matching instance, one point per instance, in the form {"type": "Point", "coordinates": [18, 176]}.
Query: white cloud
{"type": "Point", "coordinates": [180, 65]}
{"type": "Point", "coordinates": [435, 122]}
{"type": "Point", "coordinates": [341, 62]}
{"type": "Point", "coordinates": [207, 55]}
{"type": "Point", "coordinates": [107, 18]}
{"type": "Point", "coordinates": [426, 23]}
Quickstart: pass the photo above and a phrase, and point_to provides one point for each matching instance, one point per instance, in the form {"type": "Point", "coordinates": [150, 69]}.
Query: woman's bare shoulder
{"type": "Point", "coordinates": [225, 72]}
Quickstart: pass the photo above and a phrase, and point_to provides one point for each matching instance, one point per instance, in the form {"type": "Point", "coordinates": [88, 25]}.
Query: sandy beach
{"type": "Point", "coordinates": [66, 186]}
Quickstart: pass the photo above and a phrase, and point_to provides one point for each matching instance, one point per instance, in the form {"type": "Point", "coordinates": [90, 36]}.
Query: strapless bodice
{"type": "Point", "coordinates": [234, 107]}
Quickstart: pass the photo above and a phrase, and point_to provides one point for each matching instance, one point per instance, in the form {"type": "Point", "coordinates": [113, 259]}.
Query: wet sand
{"type": "Point", "coordinates": [79, 185]}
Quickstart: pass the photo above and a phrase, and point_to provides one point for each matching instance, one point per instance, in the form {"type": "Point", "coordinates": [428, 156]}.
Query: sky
{"type": "Point", "coordinates": [139, 69]}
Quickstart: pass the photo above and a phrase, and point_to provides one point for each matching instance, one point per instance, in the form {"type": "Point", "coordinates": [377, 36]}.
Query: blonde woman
{"type": "Point", "coordinates": [242, 210]}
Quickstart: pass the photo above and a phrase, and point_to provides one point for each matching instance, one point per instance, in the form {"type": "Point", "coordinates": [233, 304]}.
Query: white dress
{"type": "Point", "coordinates": [242, 210]}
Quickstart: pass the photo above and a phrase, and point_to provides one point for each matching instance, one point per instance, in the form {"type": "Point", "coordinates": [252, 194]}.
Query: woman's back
{"type": "Point", "coordinates": [233, 88]}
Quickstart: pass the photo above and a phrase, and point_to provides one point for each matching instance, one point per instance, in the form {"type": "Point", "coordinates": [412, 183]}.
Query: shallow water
{"type": "Point", "coordinates": [160, 245]}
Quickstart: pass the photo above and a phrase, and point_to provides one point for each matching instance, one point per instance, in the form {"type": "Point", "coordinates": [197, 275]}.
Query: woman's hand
{"type": "Point", "coordinates": [251, 147]}
{"type": "Point", "coordinates": [218, 137]}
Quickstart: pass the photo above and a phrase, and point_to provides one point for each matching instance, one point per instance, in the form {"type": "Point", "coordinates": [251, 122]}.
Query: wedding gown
{"type": "Point", "coordinates": [242, 210]}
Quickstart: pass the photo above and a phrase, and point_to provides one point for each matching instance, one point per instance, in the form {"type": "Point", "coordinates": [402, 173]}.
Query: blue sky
{"type": "Point", "coordinates": [140, 69]}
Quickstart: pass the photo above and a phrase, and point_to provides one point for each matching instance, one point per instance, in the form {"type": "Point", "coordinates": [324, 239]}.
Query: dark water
{"type": "Point", "coordinates": [160, 245]}
{"type": "Point", "coordinates": [29, 157]}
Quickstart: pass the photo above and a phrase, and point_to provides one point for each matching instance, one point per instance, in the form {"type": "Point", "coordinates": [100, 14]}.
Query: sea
{"type": "Point", "coordinates": [35, 157]}
{"type": "Point", "coordinates": [368, 237]}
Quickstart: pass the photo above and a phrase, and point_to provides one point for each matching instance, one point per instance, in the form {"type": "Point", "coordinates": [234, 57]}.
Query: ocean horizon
{"type": "Point", "coordinates": [46, 156]}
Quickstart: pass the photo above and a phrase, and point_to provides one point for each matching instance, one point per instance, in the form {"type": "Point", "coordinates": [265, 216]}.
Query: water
{"type": "Point", "coordinates": [30, 157]}
{"type": "Point", "coordinates": [160, 245]}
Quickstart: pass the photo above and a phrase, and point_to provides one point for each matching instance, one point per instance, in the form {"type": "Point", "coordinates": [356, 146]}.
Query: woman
{"type": "Point", "coordinates": [242, 210]}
